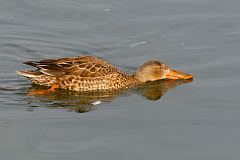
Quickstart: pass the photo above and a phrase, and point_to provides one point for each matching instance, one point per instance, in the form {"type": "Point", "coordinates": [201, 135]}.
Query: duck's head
{"type": "Point", "coordinates": [154, 70]}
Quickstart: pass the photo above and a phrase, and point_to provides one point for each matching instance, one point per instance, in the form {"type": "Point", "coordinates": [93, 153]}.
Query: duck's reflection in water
{"type": "Point", "coordinates": [87, 101]}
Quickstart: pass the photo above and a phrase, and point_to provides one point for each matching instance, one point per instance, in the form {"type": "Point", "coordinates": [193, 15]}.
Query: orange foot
{"type": "Point", "coordinates": [42, 92]}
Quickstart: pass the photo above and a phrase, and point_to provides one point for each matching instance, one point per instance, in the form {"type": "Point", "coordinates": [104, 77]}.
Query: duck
{"type": "Point", "coordinates": [90, 73]}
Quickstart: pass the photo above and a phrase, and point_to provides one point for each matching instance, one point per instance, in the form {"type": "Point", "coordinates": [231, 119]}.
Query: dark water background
{"type": "Point", "coordinates": [194, 121]}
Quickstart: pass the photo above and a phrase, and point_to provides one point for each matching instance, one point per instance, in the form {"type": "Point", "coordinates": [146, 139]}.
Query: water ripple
{"type": "Point", "coordinates": [217, 62]}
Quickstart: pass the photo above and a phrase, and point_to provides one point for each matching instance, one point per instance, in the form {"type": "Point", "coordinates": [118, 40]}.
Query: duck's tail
{"type": "Point", "coordinates": [37, 77]}
{"type": "Point", "coordinates": [29, 73]}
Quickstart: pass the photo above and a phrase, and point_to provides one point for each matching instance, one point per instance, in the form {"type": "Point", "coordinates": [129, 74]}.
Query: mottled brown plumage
{"type": "Point", "coordinates": [88, 73]}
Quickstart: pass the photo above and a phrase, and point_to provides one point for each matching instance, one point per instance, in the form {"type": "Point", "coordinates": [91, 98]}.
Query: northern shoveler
{"type": "Point", "coordinates": [88, 73]}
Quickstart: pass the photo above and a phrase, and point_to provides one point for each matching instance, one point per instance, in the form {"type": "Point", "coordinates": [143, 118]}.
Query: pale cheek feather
{"type": "Point", "coordinates": [165, 72]}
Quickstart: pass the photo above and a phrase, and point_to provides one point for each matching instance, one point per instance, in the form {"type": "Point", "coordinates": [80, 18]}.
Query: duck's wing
{"type": "Point", "coordinates": [84, 66]}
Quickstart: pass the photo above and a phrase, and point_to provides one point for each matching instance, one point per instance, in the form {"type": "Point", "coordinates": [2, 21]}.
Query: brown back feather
{"type": "Point", "coordinates": [85, 66]}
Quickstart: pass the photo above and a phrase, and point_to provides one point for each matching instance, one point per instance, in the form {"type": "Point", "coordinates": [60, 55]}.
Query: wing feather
{"type": "Point", "coordinates": [85, 66]}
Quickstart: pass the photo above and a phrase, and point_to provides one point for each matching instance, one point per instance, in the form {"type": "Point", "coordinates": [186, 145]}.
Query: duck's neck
{"type": "Point", "coordinates": [134, 78]}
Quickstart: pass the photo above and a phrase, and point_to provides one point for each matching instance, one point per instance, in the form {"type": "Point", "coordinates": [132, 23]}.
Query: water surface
{"type": "Point", "coordinates": [197, 120]}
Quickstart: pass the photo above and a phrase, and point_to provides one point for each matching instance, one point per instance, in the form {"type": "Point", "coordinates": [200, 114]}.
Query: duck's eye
{"type": "Point", "coordinates": [162, 66]}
